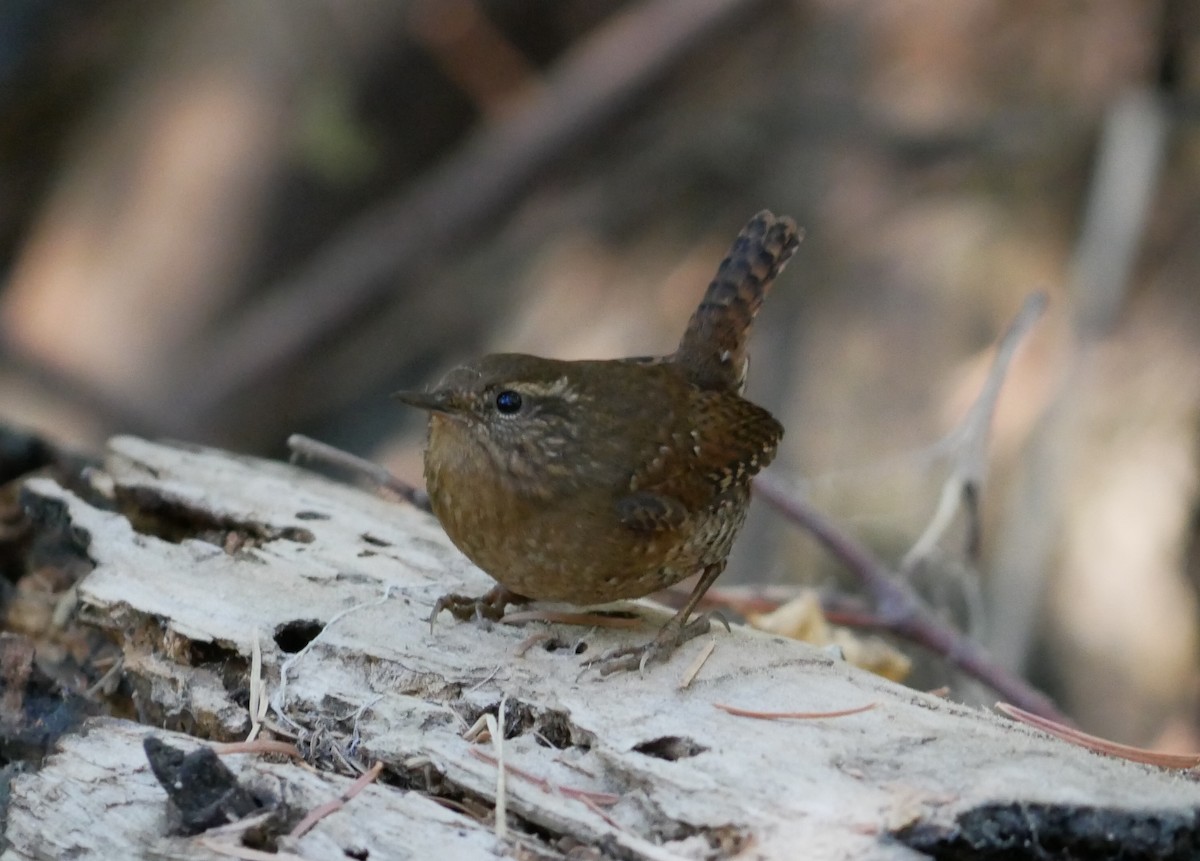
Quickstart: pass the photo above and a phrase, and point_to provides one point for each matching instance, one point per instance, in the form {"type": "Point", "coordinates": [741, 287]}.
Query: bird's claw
{"type": "Point", "coordinates": [490, 605]}
{"type": "Point", "coordinates": [672, 636]}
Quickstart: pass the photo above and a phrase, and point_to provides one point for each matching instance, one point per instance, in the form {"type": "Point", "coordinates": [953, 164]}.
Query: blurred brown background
{"type": "Point", "coordinates": [229, 221]}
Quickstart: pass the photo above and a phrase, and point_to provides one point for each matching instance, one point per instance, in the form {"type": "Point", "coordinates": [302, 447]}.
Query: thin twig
{"type": "Point", "coordinates": [696, 666]}
{"type": "Point", "coordinates": [321, 811]}
{"type": "Point", "coordinates": [596, 809]}
{"type": "Point", "coordinates": [759, 715]}
{"type": "Point", "coordinates": [479, 684]}
{"type": "Point", "coordinates": [603, 798]}
{"type": "Point", "coordinates": [1100, 745]}
{"type": "Point", "coordinates": [257, 745]}
{"type": "Point", "coordinates": [968, 443]}
{"type": "Point", "coordinates": [305, 448]}
{"type": "Point", "coordinates": [532, 640]}
{"type": "Point", "coordinates": [898, 608]}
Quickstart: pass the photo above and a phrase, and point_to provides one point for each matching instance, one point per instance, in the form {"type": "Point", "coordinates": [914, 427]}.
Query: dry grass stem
{"type": "Point", "coordinates": [495, 725]}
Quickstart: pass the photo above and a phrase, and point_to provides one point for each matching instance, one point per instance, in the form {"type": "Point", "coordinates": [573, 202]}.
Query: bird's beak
{"type": "Point", "coordinates": [434, 402]}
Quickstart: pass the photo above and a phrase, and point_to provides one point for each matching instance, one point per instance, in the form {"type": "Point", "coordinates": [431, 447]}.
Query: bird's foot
{"type": "Point", "coordinates": [489, 605]}
{"type": "Point", "coordinates": [672, 635]}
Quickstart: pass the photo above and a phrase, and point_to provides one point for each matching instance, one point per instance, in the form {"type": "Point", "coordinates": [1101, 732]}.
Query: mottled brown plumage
{"type": "Point", "coordinates": [591, 481]}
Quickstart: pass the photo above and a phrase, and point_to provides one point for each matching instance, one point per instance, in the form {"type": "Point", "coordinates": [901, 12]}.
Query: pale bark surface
{"type": "Point", "coordinates": [298, 554]}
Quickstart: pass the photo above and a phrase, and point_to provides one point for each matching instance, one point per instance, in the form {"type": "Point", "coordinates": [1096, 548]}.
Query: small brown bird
{"type": "Point", "coordinates": [593, 481]}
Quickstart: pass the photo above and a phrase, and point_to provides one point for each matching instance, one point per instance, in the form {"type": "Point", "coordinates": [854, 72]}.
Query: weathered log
{"type": "Point", "coordinates": [202, 554]}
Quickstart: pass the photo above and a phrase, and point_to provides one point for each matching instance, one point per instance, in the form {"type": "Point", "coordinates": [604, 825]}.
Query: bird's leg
{"type": "Point", "coordinates": [675, 633]}
{"type": "Point", "coordinates": [489, 605]}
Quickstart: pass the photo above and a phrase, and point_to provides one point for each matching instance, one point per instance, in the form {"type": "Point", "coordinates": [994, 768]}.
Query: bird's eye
{"type": "Point", "coordinates": [508, 402]}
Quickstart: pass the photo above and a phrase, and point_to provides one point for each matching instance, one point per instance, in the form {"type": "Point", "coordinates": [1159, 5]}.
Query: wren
{"type": "Point", "coordinates": [593, 481]}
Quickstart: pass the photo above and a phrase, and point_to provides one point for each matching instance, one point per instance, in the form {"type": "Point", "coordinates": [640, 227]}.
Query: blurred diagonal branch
{"type": "Point", "coordinates": [896, 606]}
{"type": "Point", "coordinates": [454, 201]}
{"type": "Point", "coordinates": [968, 443]}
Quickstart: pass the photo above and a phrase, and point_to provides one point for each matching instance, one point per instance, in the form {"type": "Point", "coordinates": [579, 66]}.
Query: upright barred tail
{"type": "Point", "coordinates": [713, 349]}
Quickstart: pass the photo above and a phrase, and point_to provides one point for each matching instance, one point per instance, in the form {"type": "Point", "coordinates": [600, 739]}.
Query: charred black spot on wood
{"type": "Point", "coordinates": [373, 541]}
{"type": "Point", "coordinates": [311, 515]}
{"type": "Point", "coordinates": [293, 636]}
{"type": "Point", "coordinates": [670, 747]}
{"type": "Point", "coordinates": [176, 521]}
{"type": "Point", "coordinates": [1015, 832]}
{"type": "Point", "coordinates": [203, 792]}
